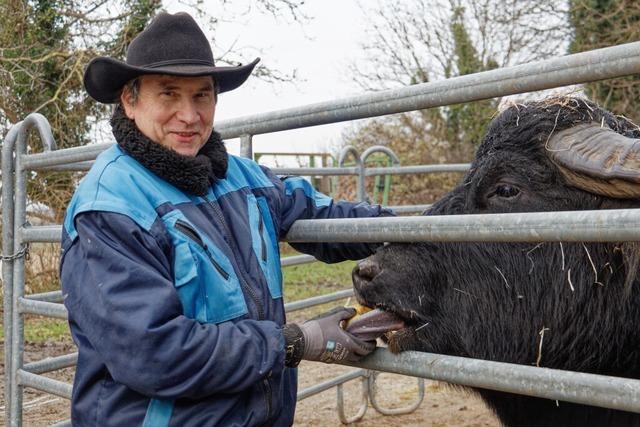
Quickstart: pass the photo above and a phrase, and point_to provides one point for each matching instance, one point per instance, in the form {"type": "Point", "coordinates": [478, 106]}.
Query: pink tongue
{"type": "Point", "coordinates": [373, 324]}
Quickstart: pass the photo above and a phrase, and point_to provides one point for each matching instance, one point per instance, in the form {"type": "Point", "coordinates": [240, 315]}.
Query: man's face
{"type": "Point", "coordinates": [176, 112]}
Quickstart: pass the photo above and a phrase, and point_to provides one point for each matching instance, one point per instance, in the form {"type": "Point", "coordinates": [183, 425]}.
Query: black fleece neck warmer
{"type": "Point", "coordinates": [191, 174]}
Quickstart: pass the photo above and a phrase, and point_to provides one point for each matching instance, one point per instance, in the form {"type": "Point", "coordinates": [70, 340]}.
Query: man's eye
{"type": "Point", "coordinates": [507, 190]}
{"type": "Point", "coordinates": [167, 93]}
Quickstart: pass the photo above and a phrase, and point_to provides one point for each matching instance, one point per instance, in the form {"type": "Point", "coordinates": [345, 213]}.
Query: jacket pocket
{"type": "Point", "coordinates": [188, 285]}
{"type": "Point", "coordinates": [205, 280]}
{"type": "Point", "coordinates": [265, 243]}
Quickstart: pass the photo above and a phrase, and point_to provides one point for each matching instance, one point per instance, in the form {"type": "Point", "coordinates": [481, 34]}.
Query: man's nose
{"type": "Point", "coordinates": [187, 112]}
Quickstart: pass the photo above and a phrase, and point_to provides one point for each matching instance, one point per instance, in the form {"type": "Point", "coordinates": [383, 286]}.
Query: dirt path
{"type": "Point", "coordinates": [442, 405]}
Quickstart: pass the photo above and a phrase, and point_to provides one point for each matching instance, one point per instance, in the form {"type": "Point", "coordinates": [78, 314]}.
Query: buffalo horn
{"type": "Point", "coordinates": [597, 159]}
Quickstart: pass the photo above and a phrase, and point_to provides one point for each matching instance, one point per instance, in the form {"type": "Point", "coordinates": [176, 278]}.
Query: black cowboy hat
{"type": "Point", "coordinates": [171, 44]}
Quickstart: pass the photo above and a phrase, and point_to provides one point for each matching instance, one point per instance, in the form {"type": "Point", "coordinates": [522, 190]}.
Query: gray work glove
{"type": "Point", "coordinates": [323, 339]}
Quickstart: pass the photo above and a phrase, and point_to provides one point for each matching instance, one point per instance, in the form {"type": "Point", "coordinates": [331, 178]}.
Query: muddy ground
{"type": "Point", "coordinates": [442, 405]}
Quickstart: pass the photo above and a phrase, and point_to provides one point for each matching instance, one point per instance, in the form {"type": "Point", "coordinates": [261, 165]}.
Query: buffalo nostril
{"type": "Point", "coordinates": [367, 269]}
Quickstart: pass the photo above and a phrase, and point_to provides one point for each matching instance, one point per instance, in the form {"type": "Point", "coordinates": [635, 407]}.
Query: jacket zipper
{"type": "Point", "coordinates": [248, 289]}
{"type": "Point", "coordinates": [266, 383]}
{"type": "Point", "coordinates": [261, 231]}
{"type": "Point", "coordinates": [267, 389]}
{"type": "Point", "coordinates": [186, 229]}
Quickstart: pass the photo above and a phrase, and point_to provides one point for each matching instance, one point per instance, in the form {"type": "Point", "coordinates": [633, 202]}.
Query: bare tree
{"type": "Point", "coordinates": [413, 41]}
{"type": "Point", "coordinates": [417, 41]}
{"type": "Point", "coordinates": [601, 23]}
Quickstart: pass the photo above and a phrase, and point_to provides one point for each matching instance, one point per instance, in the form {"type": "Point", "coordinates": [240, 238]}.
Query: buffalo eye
{"type": "Point", "coordinates": [506, 191]}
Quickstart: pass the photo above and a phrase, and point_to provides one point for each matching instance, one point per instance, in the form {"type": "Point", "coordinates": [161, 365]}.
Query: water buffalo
{"type": "Point", "coordinates": [572, 306]}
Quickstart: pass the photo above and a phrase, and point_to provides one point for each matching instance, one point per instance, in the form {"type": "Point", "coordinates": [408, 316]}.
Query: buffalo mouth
{"type": "Point", "coordinates": [395, 327]}
{"type": "Point", "coordinates": [400, 323]}
{"type": "Point", "coordinates": [373, 323]}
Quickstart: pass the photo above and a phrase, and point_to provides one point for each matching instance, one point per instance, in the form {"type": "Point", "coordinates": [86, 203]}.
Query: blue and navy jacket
{"type": "Point", "coordinates": [175, 301]}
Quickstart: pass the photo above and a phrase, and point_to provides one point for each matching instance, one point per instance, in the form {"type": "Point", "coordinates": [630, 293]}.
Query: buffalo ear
{"type": "Point", "coordinates": [597, 159]}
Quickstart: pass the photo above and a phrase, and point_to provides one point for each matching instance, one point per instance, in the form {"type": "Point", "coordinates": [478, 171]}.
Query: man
{"type": "Point", "coordinates": [170, 264]}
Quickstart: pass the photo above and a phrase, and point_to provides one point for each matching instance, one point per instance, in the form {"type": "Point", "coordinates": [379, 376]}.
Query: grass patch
{"type": "Point", "coordinates": [309, 280]}
{"type": "Point", "coordinates": [39, 329]}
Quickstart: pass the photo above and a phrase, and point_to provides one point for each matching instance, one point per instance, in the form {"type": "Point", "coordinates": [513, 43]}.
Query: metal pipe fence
{"type": "Point", "coordinates": [567, 226]}
{"type": "Point", "coordinates": [612, 225]}
{"type": "Point", "coordinates": [576, 387]}
{"type": "Point", "coordinates": [578, 68]}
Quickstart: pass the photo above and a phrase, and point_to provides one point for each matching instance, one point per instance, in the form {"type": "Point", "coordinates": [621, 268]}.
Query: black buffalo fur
{"type": "Point", "coordinates": [190, 174]}
{"type": "Point", "coordinates": [494, 300]}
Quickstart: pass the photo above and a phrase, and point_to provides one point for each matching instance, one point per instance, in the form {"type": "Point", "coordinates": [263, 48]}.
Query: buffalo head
{"type": "Point", "coordinates": [573, 306]}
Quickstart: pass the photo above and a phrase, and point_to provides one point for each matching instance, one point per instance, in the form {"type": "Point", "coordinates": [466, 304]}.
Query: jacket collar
{"type": "Point", "coordinates": [190, 174]}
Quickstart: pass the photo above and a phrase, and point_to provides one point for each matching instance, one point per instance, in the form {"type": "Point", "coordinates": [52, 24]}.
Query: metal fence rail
{"type": "Point", "coordinates": [567, 226]}
{"type": "Point", "coordinates": [576, 387]}
{"type": "Point", "coordinates": [582, 67]}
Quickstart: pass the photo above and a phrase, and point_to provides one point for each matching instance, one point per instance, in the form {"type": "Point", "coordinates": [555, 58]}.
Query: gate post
{"type": "Point", "coordinates": [7, 259]}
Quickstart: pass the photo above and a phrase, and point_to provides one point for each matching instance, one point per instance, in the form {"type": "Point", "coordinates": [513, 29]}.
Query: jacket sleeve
{"type": "Point", "coordinates": [120, 296]}
{"type": "Point", "coordinates": [301, 201]}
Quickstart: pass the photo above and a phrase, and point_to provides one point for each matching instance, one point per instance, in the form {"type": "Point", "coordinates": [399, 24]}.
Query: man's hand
{"type": "Point", "coordinates": [323, 339]}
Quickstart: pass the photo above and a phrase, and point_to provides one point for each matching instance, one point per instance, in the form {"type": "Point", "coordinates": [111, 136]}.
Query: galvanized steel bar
{"type": "Point", "coordinates": [361, 190]}
{"type": "Point", "coordinates": [20, 218]}
{"type": "Point", "coordinates": [52, 364]}
{"type": "Point", "coordinates": [318, 388]}
{"type": "Point", "coordinates": [42, 233]}
{"type": "Point", "coordinates": [568, 226]}
{"type": "Point", "coordinates": [316, 171]}
{"type": "Point", "coordinates": [297, 260]}
{"type": "Point", "coordinates": [310, 302]}
{"type": "Point", "coordinates": [404, 170]}
{"type": "Point", "coordinates": [78, 166]}
{"type": "Point", "coordinates": [328, 171]}
{"type": "Point", "coordinates": [409, 208]}
{"type": "Point", "coordinates": [53, 296]}
{"type": "Point", "coordinates": [42, 308]}
{"type": "Point", "coordinates": [342, 157]}
{"type": "Point", "coordinates": [364, 403]}
{"type": "Point", "coordinates": [39, 382]}
{"type": "Point", "coordinates": [373, 393]}
{"type": "Point", "coordinates": [64, 156]}
{"type": "Point", "coordinates": [246, 146]}
{"type": "Point", "coordinates": [8, 148]}
{"type": "Point", "coordinates": [578, 68]}
{"type": "Point", "coordinates": [19, 377]}
{"type": "Point", "coordinates": [395, 162]}
{"type": "Point", "coordinates": [588, 389]}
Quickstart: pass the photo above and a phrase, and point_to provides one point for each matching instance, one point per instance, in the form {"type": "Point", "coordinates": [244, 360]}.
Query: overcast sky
{"type": "Point", "coordinates": [319, 51]}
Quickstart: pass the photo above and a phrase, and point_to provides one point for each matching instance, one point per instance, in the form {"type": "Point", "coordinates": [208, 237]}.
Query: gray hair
{"type": "Point", "coordinates": [133, 87]}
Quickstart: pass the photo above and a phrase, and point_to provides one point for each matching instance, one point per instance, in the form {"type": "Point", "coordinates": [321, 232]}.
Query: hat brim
{"type": "Point", "coordinates": [105, 77]}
